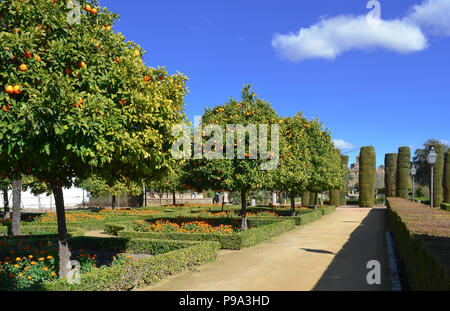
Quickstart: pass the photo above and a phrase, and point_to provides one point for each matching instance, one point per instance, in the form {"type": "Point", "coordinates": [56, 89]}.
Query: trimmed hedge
{"type": "Point", "coordinates": [423, 238]}
{"type": "Point", "coordinates": [367, 176]}
{"type": "Point", "coordinates": [390, 176]}
{"type": "Point", "coordinates": [446, 181]}
{"type": "Point", "coordinates": [446, 206]}
{"type": "Point", "coordinates": [26, 230]}
{"type": "Point", "coordinates": [173, 257]}
{"type": "Point", "coordinates": [438, 196]}
{"type": "Point", "coordinates": [265, 229]}
{"type": "Point", "coordinates": [343, 194]}
{"type": "Point", "coordinates": [327, 210]}
{"type": "Point", "coordinates": [403, 169]}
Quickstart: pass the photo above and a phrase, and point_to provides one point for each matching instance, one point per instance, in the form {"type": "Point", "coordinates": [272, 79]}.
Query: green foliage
{"type": "Point", "coordinates": [446, 182]}
{"type": "Point", "coordinates": [305, 198]}
{"type": "Point", "coordinates": [445, 206]}
{"type": "Point", "coordinates": [294, 170]}
{"type": "Point", "coordinates": [403, 169]}
{"type": "Point", "coordinates": [183, 255]}
{"type": "Point", "coordinates": [422, 237]}
{"type": "Point", "coordinates": [438, 177]}
{"type": "Point", "coordinates": [264, 229]}
{"type": "Point", "coordinates": [390, 166]}
{"type": "Point", "coordinates": [343, 194]}
{"type": "Point", "coordinates": [367, 174]}
{"type": "Point", "coordinates": [423, 176]}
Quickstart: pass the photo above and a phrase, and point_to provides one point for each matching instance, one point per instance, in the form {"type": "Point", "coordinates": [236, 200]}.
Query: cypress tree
{"type": "Point", "coordinates": [403, 169]}
{"type": "Point", "coordinates": [446, 182]}
{"type": "Point", "coordinates": [367, 176]}
{"type": "Point", "coordinates": [305, 198]}
{"type": "Point", "coordinates": [335, 194]}
{"type": "Point", "coordinates": [312, 198]}
{"type": "Point", "coordinates": [344, 162]}
{"type": "Point", "coordinates": [390, 166]}
{"type": "Point", "coordinates": [438, 176]}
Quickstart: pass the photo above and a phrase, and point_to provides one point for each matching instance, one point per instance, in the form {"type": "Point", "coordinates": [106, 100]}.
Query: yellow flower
{"type": "Point", "coordinates": [41, 259]}
{"type": "Point", "coordinates": [49, 257]}
{"type": "Point", "coordinates": [30, 256]}
{"type": "Point", "coordinates": [53, 273]}
{"type": "Point", "coordinates": [16, 266]}
{"type": "Point", "coordinates": [30, 277]}
{"type": "Point", "coordinates": [18, 259]}
{"type": "Point", "coordinates": [33, 263]}
{"type": "Point", "coordinates": [45, 269]}
{"type": "Point", "coordinates": [20, 274]}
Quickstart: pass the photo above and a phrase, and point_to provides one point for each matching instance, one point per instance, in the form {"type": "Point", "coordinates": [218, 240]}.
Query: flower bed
{"type": "Point", "coordinates": [260, 230]}
{"type": "Point", "coordinates": [26, 264]}
{"type": "Point", "coordinates": [105, 263]}
{"type": "Point", "coordinates": [168, 258]}
{"type": "Point", "coordinates": [302, 216]}
{"type": "Point", "coordinates": [165, 226]}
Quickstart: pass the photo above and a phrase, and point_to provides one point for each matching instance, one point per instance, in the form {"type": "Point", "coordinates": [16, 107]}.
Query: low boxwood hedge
{"type": "Point", "coordinates": [171, 257]}
{"type": "Point", "coordinates": [423, 238]}
{"type": "Point", "coordinates": [265, 229]}
{"type": "Point", "coordinates": [327, 209]}
{"type": "Point", "coordinates": [41, 229]}
{"type": "Point", "coordinates": [445, 206]}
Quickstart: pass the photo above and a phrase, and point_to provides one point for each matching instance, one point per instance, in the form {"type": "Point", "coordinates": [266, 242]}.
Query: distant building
{"type": "Point", "coordinates": [354, 173]}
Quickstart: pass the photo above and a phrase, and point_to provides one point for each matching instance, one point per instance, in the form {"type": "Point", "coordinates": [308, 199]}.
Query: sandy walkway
{"type": "Point", "coordinates": [329, 254]}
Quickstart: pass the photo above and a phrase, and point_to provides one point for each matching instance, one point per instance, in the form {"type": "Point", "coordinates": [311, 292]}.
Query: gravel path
{"type": "Point", "coordinates": [329, 254]}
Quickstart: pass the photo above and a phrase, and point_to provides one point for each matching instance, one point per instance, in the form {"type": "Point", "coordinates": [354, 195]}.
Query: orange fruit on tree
{"type": "Point", "coordinates": [28, 54]}
{"type": "Point", "coordinates": [23, 67]}
{"type": "Point", "coordinates": [137, 53]}
{"type": "Point", "coordinates": [17, 89]}
{"type": "Point", "coordinates": [9, 89]}
{"type": "Point", "coordinates": [109, 27]}
{"type": "Point", "coordinates": [81, 64]}
{"type": "Point", "coordinates": [94, 11]}
{"type": "Point", "coordinates": [4, 109]}
{"type": "Point", "coordinates": [37, 57]}
{"type": "Point", "coordinates": [147, 79]}
{"type": "Point", "coordinates": [87, 8]}
{"type": "Point", "coordinates": [68, 70]}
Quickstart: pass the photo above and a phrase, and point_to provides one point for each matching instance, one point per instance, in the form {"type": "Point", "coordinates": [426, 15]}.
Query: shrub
{"type": "Point", "coordinates": [446, 206]}
{"type": "Point", "coordinates": [390, 177]}
{"type": "Point", "coordinates": [264, 229]}
{"type": "Point", "coordinates": [367, 175]}
{"type": "Point", "coordinates": [438, 177]}
{"type": "Point", "coordinates": [174, 257]}
{"type": "Point", "coordinates": [446, 182]}
{"type": "Point", "coordinates": [403, 168]}
{"type": "Point", "coordinates": [423, 238]}
{"type": "Point", "coordinates": [343, 194]}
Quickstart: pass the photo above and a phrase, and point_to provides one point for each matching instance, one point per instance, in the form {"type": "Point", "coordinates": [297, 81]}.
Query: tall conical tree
{"type": "Point", "coordinates": [335, 194]}
{"type": "Point", "coordinates": [403, 169]}
{"type": "Point", "coordinates": [438, 176]}
{"type": "Point", "coordinates": [305, 198]}
{"type": "Point", "coordinates": [390, 166]}
{"type": "Point", "coordinates": [447, 177]}
{"type": "Point", "coordinates": [344, 162]}
{"type": "Point", "coordinates": [367, 176]}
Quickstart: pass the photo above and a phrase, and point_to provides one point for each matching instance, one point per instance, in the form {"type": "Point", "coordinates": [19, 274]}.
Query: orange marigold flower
{"type": "Point", "coordinates": [41, 259]}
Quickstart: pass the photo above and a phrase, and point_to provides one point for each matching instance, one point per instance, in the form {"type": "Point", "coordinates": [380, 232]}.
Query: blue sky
{"type": "Point", "coordinates": [386, 88]}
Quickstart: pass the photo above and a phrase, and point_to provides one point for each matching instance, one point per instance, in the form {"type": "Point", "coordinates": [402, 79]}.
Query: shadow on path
{"type": "Point", "coordinates": [320, 251]}
{"type": "Point", "coordinates": [347, 271]}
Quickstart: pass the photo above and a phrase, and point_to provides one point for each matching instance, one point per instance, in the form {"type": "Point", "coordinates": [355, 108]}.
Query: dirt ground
{"type": "Point", "coordinates": [329, 254]}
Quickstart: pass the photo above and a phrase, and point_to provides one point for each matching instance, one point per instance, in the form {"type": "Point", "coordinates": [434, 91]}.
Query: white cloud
{"type": "Point", "coordinates": [433, 16]}
{"type": "Point", "coordinates": [342, 144]}
{"type": "Point", "coordinates": [331, 37]}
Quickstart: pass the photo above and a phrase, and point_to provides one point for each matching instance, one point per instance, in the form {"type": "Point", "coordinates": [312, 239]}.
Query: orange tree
{"type": "Point", "coordinates": [294, 170]}
{"type": "Point", "coordinates": [78, 100]}
{"type": "Point", "coordinates": [242, 172]}
{"type": "Point", "coordinates": [98, 186]}
{"type": "Point", "coordinates": [326, 171]}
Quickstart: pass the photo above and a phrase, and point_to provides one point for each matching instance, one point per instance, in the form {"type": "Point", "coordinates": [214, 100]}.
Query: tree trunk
{"type": "Point", "coordinates": [174, 201]}
{"type": "Point", "coordinates": [244, 210]}
{"type": "Point", "coordinates": [292, 203]}
{"type": "Point", "coordinates": [7, 213]}
{"type": "Point", "coordinates": [17, 196]}
{"type": "Point", "coordinates": [113, 202]}
{"type": "Point", "coordinates": [64, 253]}
{"type": "Point", "coordinates": [223, 202]}
{"type": "Point", "coordinates": [316, 200]}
